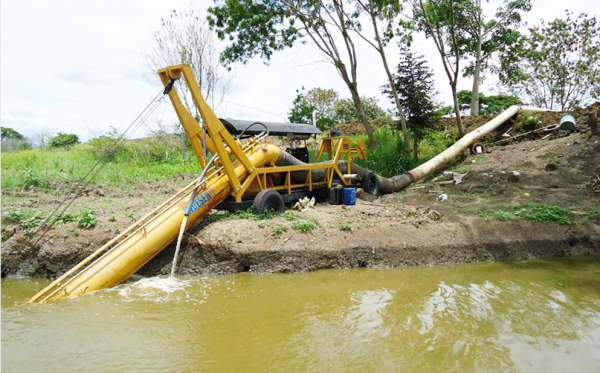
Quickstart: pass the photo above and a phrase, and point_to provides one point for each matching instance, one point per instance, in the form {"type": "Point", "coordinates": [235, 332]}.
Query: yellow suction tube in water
{"type": "Point", "coordinates": [118, 264]}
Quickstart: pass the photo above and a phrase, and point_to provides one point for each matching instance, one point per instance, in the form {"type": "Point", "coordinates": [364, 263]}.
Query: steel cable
{"type": "Point", "coordinates": [101, 163]}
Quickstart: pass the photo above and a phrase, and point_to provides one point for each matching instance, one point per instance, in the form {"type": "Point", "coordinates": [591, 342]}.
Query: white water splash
{"type": "Point", "coordinates": [156, 289]}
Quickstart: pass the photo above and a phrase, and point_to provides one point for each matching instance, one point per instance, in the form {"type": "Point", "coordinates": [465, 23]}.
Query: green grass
{"type": "Point", "coordinates": [526, 211]}
{"type": "Point", "coordinates": [305, 225]}
{"type": "Point", "coordinates": [249, 215]}
{"type": "Point", "coordinates": [545, 214]}
{"type": "Point", "coordinates": [29, 220]}
{"type": "Point", "coordinates": [500, 215]}
{"type": "Point", "coordinates": [595, 212]}
{"type": "Point", "coordinates": [279, 229]}
{"type": "Point", "coordinates": [346, 225]}
{"type": "Point", "coordinates": [289, 216]}
{"type": "Point", "coordinates": [159, 157]}
{"type": "Point", "coordinates": [136, 161]}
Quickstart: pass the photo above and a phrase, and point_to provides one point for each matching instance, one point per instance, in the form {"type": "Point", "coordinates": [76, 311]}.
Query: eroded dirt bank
{"type": "Point", "coordinates": [407, 228]}
{"type": "Point", "coordinates": [236, 245]}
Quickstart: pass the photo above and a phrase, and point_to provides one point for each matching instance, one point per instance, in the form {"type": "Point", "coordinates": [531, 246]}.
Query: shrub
{"type": "Point", "coordinates": [86, 219]}
{"type": "Point", "coordinates": [31, 178]}
{"type": "Point", "coordinates": [63, 140]}
{"type": "Point", "coordinates": [15, 145]}
{"type": "Point", "coordinates": [390, 158]}
{"type": "Point", "coordinates": [529, 122]}
{"type": "Point", "coordinates": [14, 215]}
{"type": "Point", "coordinates": [346, 111]}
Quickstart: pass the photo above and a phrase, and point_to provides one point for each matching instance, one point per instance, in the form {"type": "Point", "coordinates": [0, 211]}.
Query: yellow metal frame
{"type": "Point", "coordinates": [219, 141]}
{"type": "Point", "coordinates": [241, 168]}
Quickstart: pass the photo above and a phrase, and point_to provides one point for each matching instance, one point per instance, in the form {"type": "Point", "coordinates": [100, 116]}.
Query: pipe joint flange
{"type": "Point", "coordinates": [370, 183]}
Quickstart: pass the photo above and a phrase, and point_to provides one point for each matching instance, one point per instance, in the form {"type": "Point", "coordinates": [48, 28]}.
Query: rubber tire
{"type": "Point", "coordinates": [370, 183]}
{"type": "Point", "coordinates": [268, 199]}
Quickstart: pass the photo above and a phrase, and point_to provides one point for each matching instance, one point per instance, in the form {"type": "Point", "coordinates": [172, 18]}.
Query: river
{"type": "Point", "coordinates": [533, 316]}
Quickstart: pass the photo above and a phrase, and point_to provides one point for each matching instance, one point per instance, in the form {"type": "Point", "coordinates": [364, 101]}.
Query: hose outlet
{"type": "Point", "coordinates": [370, 183]}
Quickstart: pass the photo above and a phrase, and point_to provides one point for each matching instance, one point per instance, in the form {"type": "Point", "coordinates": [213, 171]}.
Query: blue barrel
{"type": "Point", "coordinates": [349, 196]}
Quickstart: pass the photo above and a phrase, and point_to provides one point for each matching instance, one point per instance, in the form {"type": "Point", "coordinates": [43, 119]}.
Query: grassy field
{"type": "Point", "coordinates": [159, 157]}
{"type": "Point", "coordinates": [136, 161]}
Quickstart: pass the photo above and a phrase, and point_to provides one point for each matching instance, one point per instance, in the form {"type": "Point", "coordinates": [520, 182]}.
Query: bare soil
{"type": "Point", "coordinates": [411, 227]}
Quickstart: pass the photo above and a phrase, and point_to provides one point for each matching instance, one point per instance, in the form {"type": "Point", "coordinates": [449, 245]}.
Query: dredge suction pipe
{"type": "Point", "coordinates": [447, 155]}
{"type": "Point", "coordinates": [376, 184]}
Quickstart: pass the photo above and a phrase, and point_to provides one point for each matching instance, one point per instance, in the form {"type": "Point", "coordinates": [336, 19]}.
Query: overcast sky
{"type": "Point", "coordinates": [76, 66]}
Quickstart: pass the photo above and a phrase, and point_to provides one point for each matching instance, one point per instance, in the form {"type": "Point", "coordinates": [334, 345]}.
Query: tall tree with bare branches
{"type": "Point", "coordinates": [260, 27]}
{"type": "Point", "coordinates": [483, 36]}
{"type": "Point", "coordinates": [185, 38]}
{"type": "Point", "coordinates": [438, 19]}
{"type": "Point", "coordinates": [386, 12]}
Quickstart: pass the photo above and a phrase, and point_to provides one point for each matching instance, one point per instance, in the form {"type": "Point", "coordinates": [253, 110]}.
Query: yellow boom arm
{"type": "Point", "coordinates": [125, 254]}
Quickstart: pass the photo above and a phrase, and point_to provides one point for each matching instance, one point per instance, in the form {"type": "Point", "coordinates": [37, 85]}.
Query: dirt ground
{"type": "Point", "coordinates": [411, 227]}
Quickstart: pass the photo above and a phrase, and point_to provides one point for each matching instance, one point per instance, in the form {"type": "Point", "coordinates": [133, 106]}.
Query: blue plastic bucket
{"type": "Point", "coordinates": [349, 196]}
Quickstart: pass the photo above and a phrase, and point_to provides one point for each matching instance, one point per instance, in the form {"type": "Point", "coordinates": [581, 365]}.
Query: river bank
{"type": "Point", "coordinates": [551, 210]}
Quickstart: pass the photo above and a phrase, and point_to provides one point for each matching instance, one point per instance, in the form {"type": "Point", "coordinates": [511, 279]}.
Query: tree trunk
{"type": "Point", "coordinates": [362, 115]}
{"type": "Point", "coordinates": [459, 125]}
{"type": "Point", "coordinates": [476, 76]}
{"type": "Point", "coordinates": [416, 149]}
{"type": "Point", "coordinates": [390, 77]}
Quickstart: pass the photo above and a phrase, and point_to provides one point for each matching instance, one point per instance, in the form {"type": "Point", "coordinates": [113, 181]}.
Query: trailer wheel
{"type": "Point", "coordinates": [268, 199]}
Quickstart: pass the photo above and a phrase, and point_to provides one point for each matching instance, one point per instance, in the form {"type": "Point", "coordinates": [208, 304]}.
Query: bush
{"type": "Point", "coordinates": [14, 216]}
{"type": "Point", "coordinates": [390, 158]}
{"type": "Point", "coordinates": [86, 219]}
{"type": "Point", "coordinates": [529, 122]}
{"type": "Point", "coordinates": [63, 140]}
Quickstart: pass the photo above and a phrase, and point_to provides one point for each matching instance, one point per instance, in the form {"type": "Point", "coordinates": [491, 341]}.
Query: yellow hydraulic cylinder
{"type": "Point", "coordinates": [118, 264]}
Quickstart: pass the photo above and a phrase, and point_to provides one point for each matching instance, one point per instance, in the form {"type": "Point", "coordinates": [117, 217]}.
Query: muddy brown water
{"type": "Point", "coordinates": [534, 316]}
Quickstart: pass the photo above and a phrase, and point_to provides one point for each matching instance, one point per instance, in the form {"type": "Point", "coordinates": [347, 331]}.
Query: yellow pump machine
{"type": "Point", "coordinates": [238, 168]}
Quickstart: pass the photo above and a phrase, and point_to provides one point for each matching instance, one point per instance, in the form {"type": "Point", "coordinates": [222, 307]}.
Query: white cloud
{"type": "Point", "coordinates": [73, 66]}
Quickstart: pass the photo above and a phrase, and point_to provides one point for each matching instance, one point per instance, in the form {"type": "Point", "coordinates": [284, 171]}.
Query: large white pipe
{"type": "Point", "coordinates": [447, 155]}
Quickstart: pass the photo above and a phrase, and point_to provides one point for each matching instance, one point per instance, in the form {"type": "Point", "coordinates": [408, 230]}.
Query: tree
{"type": "Point", "coordinates": [63, 140]}
{"type": "Point", "coordinates": [260, 27]}
{"type": "Point", "coordinates": [556, 66]}
{"type": "Point", "coordinates": [13, 141]}
{"type": "Point", "coordinates": [42, 138]}
{"type": "Point", "coordinates": [346, 112]}
{"type": "Point", "coordinates": [416, 89]}
{"type": "Point", "coordinates": [317, 99]}
{"type": "Point", "coordinates": [481, 38]}
{"type": "Point", "coordinates": [324, 101]}
{"type": "Point", "coordinates": [440, 22]}
{"type": "Point", "coordinates": [385, 11]}
{"type": "Point", "coordinates": [9, 133]}
{"type": "Point", "coordinates": [185, 38]}
{"type": "Point", "coordinates": [487, 104]}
